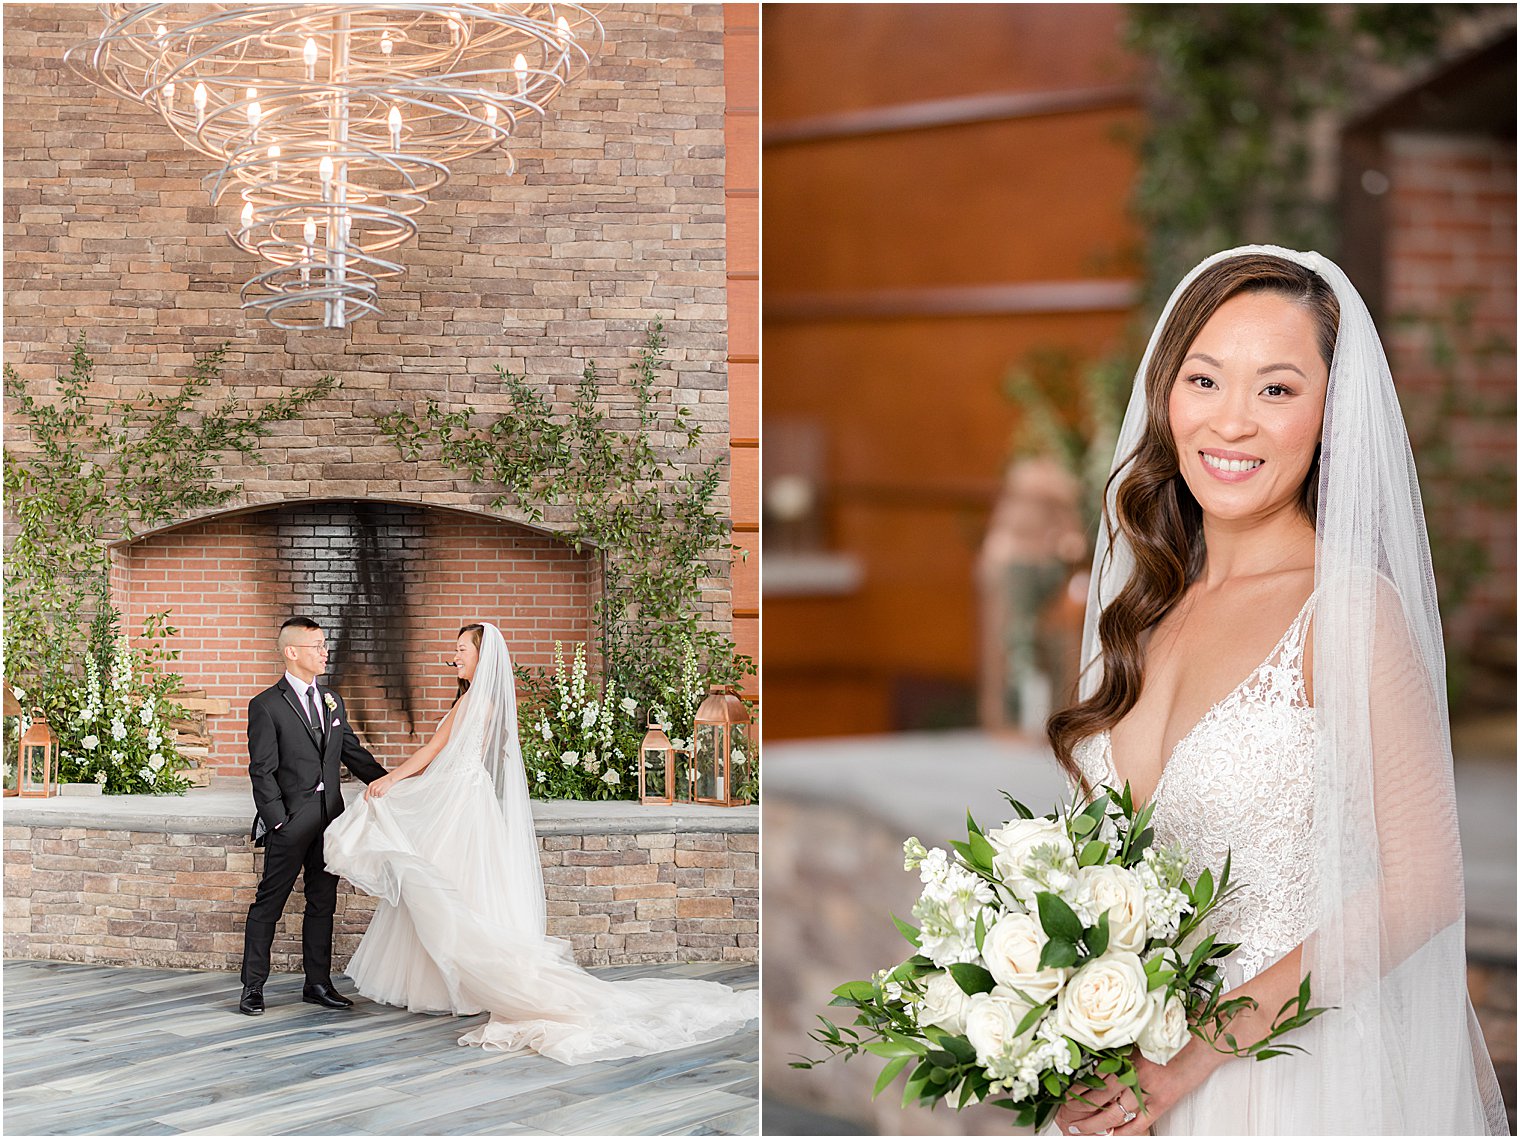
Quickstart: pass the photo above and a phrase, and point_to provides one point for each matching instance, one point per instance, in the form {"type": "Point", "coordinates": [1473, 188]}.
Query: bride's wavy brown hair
{"type": "Point", "coordinates": [477, 634]}
{"type": "Point", "coordinates": [1154, 509]}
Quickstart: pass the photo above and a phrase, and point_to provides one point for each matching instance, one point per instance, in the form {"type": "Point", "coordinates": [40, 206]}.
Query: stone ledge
{"type": "Point", "coordinates": [222, 811]}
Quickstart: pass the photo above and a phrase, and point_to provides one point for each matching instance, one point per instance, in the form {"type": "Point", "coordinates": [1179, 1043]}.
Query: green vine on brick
{"type": "Point", "coordinates": [655, 520]}
{"type": "Point", "coordinates": [101, 470]}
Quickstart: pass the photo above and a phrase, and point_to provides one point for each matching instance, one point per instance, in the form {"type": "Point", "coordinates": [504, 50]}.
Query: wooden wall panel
{"type": "Point", "coordinates": [916, 431]}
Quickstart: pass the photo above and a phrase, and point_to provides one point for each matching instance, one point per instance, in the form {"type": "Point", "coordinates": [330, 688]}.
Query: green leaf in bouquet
{"type": "Point", "coordinates": [960, 1048]}
{"type": "Point", "coordinates": [1203, 890]}
{"type": "Point", "coordinates": [1057, 919]}
{"type": "Point", "coordinates": [982, 852]}
{"type": "Point", "coordinates": [1052, 1083]}
{"type": "Point", "coordinates": [964, 850]}
{"type": "Point", "coordinates": [968, 1090]}
{"type": "Point", "coordinates": [1058, 954]}
{"type": "Point", "coordinates": [942, 1059]}
{"type": "Point", "coordinates": [981, 928]}
{"type": "Point", "coordinates": [972, 979]}
{"type": "Point", "coordinates": [1076, 1053]}
{"type": "Point", "coordinates": [1200, 953]}
{"type": "Point", "coordinates": [1097, 937]}
{"type": "Point", "coordinates": [853, 991]}
{"type": "Point", "coordinates": [1137, 846]}
{"type": "Point", "coordinates": [894, 1049]}
{"type": "Point", "coordinates": [916, 1082]}
{"type": "Point", "coordinates": [1029, 1018]}
{"type": "Point", "coordinates": [1126, 1075]}
{"type": "Point", "coordinates": [1082, 826]}
{"type": "Point", "coordinates": [942, 1076]}
{"type": "Point", "coordinates": [1019, 809]}
{"type": "Point", "coordinates": [971, 827]}
{"type": "Point", "coordinates": [1093, 853]}
{"type": "Point", "coordinates": [910, 933]}
{"type": "Point", "coordinates": [1109, 1067]}
{"type": "Point", "coordinates": [889, 1073]}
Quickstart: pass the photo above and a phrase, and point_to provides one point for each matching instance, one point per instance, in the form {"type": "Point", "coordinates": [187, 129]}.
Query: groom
{"type": "Point", "coordinates": [297, 733]}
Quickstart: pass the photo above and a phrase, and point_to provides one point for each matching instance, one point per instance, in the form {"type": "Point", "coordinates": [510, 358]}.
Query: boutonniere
{"type": "Point", "coordinates": [332, 705]}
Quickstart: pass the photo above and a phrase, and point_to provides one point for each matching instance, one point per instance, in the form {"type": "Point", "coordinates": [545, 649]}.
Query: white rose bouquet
{"type": "Point", "coordinates": [1048, 951]}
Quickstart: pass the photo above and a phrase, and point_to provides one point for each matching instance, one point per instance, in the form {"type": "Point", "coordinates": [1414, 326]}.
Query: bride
{"type": "Point", "coordinates": [446, 842]}
{"type": "Point", "coordinates": [1264, 521]}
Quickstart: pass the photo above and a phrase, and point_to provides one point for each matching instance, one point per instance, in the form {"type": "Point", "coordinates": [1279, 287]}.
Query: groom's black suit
{"type": "Point", "coordinates": [287, 759]}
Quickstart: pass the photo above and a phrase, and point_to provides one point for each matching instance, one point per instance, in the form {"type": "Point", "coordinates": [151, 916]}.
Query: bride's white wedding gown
{"type": "Point", "coordinates": [1242, 780]}
{"type": "Point", "coordinates": [450, 936]}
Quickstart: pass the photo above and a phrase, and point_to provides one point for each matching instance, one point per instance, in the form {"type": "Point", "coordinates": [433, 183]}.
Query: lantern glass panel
{"type": "Point", "coordinates": [708, 762]}
{"type": "Point", "coordinates": [741, 758]}
{"type": "Point", "coordinates": [34, 759]}
{"type": "Point", "coordinates": [654, 773]}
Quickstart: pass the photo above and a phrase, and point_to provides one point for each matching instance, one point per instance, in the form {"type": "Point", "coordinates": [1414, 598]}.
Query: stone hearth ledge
{"type": "Point", "coordinates": [220, 810]}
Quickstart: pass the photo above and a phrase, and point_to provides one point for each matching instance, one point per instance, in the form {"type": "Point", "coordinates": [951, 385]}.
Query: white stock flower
{"type": "Point", "coordinates": [1105, 1004]}
{"type": "Point", "coordinates": [100, 777]}
{"type": "Point", "coordinates": [629, 705]}
{"type": "Point", "coordinates": [590, 763]}
{"type": "Point", "coordinates": [146, 774]}
{"type": "Point", "coordinates": [1166, 1031]}
{"type": "Point", "coordinates": [90, 743]}
{"type": "Point", "coordinates": [679, 745]}
{"type": "Point", "coordinates": [538, 777]}
{"type": "Point", "coordinates": [569, 758]}
{"type": "Point", "coordinates": [1118, 892]}
{"type": "Point", "coordinates": [1160, 874]}
{"type": "Point", "coordinates": [944, 1004]}
{"type": "Point", "coordinates": [992, 1021]}
{"type": "Point", "coordinates": [145, 717]}
{"type": "Point", "coordinates": [543, 730]}
{"type": "Point", "coordinates": [947, 909]}
{"type": "Point", "coordinates": [611, 777]}
{"type": "Point", "coordinates": [1012, 950]}
{"type": "Point", "coordinates": [118, 729]}
{"type": "Point", "coordinates": [1031, 855]}
{"type": "Point", "coordinates": [588, 717]}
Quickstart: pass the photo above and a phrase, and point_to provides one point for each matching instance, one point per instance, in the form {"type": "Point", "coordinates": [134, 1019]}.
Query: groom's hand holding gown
{"type": "Point", "coordinates": [295, 746]}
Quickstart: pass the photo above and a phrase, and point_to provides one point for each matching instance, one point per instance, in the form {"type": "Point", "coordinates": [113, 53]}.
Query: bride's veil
{"type": "Point", "coordinates": [488, 711]}
{"type": "Point", "coordinates": [1401, 1053]}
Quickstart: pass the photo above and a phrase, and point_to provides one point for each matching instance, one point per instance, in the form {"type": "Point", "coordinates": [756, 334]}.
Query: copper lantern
{"type": "Point", "coordinates": [37, 760]}
{"type": "Point", "coordinates": [657, 767]}
{"type": "Point", "coordinates": [720, 748]}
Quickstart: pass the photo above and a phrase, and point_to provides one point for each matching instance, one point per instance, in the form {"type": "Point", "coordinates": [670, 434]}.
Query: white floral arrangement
{"type": "Point", "coordinates": [1050, 950]}
{"type": "Point", "coordinates": [581, 744]}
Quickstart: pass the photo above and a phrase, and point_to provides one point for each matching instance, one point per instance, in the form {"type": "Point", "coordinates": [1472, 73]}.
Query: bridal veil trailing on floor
{"type": "Point", "coordinates": [452, 856]}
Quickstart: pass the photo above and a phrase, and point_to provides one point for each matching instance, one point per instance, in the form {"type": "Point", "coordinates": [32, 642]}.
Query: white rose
{"type": "Point", "coordinates": [944, 1004]}
{"type": "Point", "coordinates": [1105, 1004]}
{"type": "Point", "coordinates": [155, 761]}
{"type": "Point", "coordinates": [1012, 950]}
{"type": "Point", "coordinates": [739, 757]}
{"type": "Point", "coordinates": [90, 743]}
{"type": "Point", "coordinates": [1013, 843]}
{"type": "Point", "coordinates": [992, 1021]}
{"type": "Point", "coordinates": [569, 758]}
{"type": "Point", "coordinates": [1119, 893]}
{"type": "Point", "coordinates": [610, 777]}
{"type": "Point", "coordinates": [1166, 1031]}
{"type": "Point", "coordinates": [630, 705]}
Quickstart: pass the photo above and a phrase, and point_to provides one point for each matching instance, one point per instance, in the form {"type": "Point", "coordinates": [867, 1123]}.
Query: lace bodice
{"type": "Point", "coordinates": [1242, 780]}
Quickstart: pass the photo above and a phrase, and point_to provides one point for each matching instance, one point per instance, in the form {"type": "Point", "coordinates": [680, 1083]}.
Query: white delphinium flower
{"type": "Point", "coordinates": [629, 705]}
{"type": "Point", "coordinates": [1160, 873]}
{"type": "Point", "coordinates": [661, 718]}
{"type": "Point", "coordinates": [569, 758]}
{"type": "Point", "coordinates": [611, 777]}
{"type": "Point", "coordinates": [118, 729]}
{"type": "Point", "coordinates": [543, 729]}
{"type": "Point", "coordinates": [947, 909]}
{"type": "Point", "coordinates": [588, 716]}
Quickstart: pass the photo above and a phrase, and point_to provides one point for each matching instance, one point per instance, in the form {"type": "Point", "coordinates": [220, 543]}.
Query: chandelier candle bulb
{"type": "Point", "coordinates": [309, 55]}
{"type": "Point", "coordinates": [168, 92]}
{"type": "Point", "coordinates": [385, 43]}
{"type": "Point", "coordinates": [200, 103]}
{"type": "Point", "coordinates": [394, 119]}
{"type": "Point", "coordinates": [520, 66]}
{"type": "Point", "coordinates": [248, 216]}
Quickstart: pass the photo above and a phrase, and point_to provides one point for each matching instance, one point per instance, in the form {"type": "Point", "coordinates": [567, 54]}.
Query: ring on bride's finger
{"type": "Point", "coordinates": [1129, 1117]}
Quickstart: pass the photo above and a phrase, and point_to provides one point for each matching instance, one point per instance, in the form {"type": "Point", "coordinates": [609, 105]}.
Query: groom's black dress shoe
{"type": "Point", "coordinates": [326, 996]}
{"type": "Point", "coordinates": [253, 1001]}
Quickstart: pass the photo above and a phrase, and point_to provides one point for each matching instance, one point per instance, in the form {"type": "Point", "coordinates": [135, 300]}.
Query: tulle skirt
{"type": "Point", "coordinates": [448, 936]}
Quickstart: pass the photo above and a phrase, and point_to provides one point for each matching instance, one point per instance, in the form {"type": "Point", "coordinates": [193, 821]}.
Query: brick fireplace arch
{"type": "Point", "coordinates": [390, 582]}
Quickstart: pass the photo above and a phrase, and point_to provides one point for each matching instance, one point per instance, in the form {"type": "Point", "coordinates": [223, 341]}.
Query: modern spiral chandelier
{"type": "Point", "coordinates": [334, 122]}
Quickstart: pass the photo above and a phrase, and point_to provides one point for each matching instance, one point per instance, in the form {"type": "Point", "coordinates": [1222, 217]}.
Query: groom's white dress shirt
{"type": "Point", "coordinates": [301, 688]}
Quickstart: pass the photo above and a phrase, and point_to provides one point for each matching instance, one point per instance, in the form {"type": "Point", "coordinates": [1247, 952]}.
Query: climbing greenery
{"type": "Point", "coordinates": [1234, 94]}
{"type": "Point", "coordinates": [653, 513]}
{"type": "Point", "coordinates": [99, 470]}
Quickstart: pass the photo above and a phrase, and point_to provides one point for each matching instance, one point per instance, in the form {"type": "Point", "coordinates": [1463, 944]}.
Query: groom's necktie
{"type": "Point", "coordinates": [316, 716]}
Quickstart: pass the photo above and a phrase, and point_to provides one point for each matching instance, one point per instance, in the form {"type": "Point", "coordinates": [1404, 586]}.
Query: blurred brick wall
{"type": "Point", "coordinates": [1450, 239]}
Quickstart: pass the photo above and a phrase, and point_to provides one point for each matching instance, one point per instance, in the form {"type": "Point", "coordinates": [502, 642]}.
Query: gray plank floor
{"type": "Point", "coordinates": [93, 1050]}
